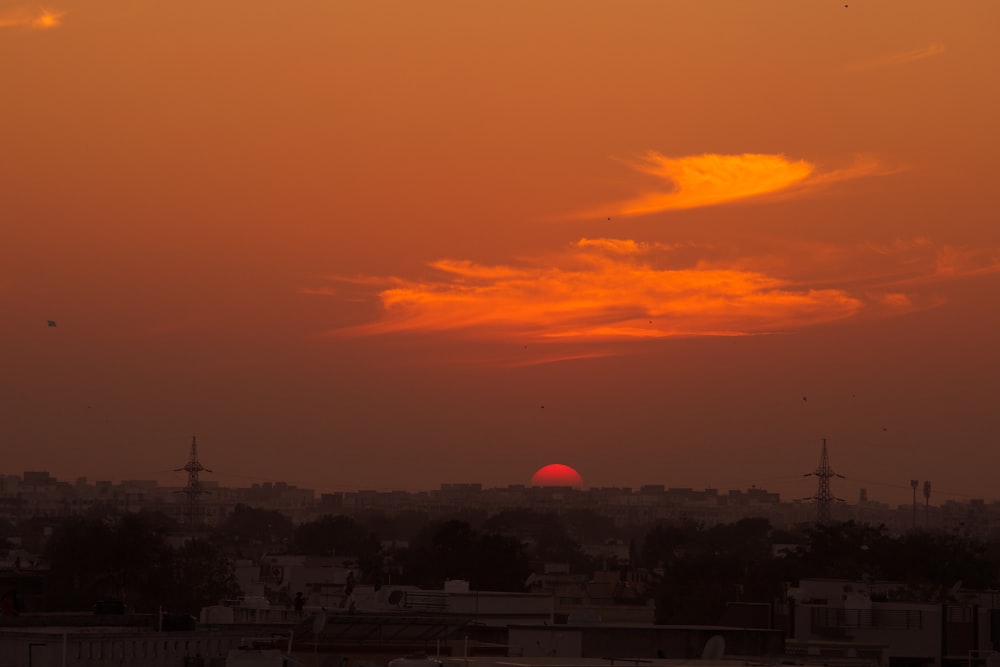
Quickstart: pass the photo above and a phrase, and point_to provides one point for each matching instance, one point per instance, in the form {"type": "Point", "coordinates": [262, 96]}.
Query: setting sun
{"type": "Point", "coordinates": [557, 474]}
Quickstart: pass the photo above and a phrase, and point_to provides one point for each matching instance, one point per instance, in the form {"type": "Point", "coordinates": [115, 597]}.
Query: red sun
{"type": "Point", "coordinates": [556, 474]}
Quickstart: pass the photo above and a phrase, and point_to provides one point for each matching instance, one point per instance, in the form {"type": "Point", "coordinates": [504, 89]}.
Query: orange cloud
{"type": "Point", "coordinates": [25, 17]}
{"type": "Point", "coordinates": [954, 262]}
{"type": "Point", "coordinates": [612, 290]}
{"type": "Point", "coordinates": [711, 179]}
{"type": "Point", "coordinates": [603, 289]}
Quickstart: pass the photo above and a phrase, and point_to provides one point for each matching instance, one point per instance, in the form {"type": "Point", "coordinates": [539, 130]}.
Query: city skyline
{"type": "Point", "coordinates": [846, 489]}
{"type": "Point", "coordinates": [394, 245]}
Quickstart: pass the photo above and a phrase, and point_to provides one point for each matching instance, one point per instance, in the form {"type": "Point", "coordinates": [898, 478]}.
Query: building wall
{"type": "Point", "coordinates": [547, 641]}
{"type": "Point", "coordinates": [121, 649]}
{"type": "Point", "coordinates": [906, 630]}
{"type": "Point", "coordinates": [640, 642]}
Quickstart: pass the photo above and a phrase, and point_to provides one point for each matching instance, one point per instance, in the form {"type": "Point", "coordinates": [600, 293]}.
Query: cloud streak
{"type": "Point", "coordinates": [897, 59]}
{"type": "Point", "coordinates": [318, 291]}
{"type": "Point", "coordinates": [31, 18]}
{"type": "Point", "coordinates": [613, 290]}
{"type": "Point", "coordinates": [712, 179]}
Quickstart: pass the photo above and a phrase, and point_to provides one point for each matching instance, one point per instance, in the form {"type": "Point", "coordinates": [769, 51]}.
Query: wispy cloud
{"type": "Point", "coordinates": [896, 59]}
{"type": "Point", "coordinates": [318, 291]}
{"type": "Point", "coordinates": [31, 17]}
{"type": "Point", "coordinates": [611, 290]}
{"type": "Point", "coordinates": [711, 179]}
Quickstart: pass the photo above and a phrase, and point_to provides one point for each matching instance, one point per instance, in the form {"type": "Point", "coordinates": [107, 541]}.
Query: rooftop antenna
{"type": "Point", "coordinates": [193, 489]}
{"type": "Point", "coordinates": [824, 496]}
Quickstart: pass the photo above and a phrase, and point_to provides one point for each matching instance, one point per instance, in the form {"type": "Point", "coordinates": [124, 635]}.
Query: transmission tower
{"type": "Point", "coordinates": [824, 496]}
{"type": "Point", "coordinates": [193, 490]}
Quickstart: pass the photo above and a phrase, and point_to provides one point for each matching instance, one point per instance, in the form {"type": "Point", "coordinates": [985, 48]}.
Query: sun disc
{"type": "Point", "coordinates": [557, 474]}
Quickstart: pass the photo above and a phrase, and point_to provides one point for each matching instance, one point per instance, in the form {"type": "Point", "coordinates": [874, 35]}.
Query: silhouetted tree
{"type": "Point", "coordinates": [333, 536]}
{"type": "Point", "coordinates": [662, 544]}
{"type": "Point", "coordinates": [696, 587]}
{"type": "Point", "coordinates": [546, 534]}
{"type": "Point", "coordinates": [704, 568]}
{"type": "Point", "coordinates": [122, 558]}
{"type": "Point", "coordinates": [842, 550]}
{"type": "Point", "coordinates": [341, 536]}
{"type": "Point", "coordinates": [454, 550]}
{"type": "Point", "coordinates": [501, 564]}
{"type": "Point", "coordinates": [201, 576]}
{"type": "Point", "coordinates": [401, 526]}
{"type": "Point", "coordinates": [252, 526]}
{"type": "Point", "coordinates": [943, 559]}
{"type": "Point", "coordinates": [587, 526]}
{"type": "Point", "coordinates": [127, 558]}
{"type": "Point", "coordinates": [77, 552]}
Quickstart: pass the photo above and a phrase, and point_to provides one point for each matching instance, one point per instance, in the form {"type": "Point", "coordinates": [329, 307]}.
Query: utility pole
{"type": "Point", "coordinates": [927, 505]}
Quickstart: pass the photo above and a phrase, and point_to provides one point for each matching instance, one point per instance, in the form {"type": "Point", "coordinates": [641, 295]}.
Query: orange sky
{"type": "Point", "coordinates": [360, 244]}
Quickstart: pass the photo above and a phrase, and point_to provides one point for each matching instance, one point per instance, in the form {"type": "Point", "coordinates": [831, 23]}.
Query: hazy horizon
{"type": "Point", "coordinates": [798, 486]}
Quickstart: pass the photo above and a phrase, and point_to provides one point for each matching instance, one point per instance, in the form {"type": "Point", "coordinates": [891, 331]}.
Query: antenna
{"type": "Point", "coordinates": [824, 496]}
{"type": "Point", "coordinates": [193, 489]}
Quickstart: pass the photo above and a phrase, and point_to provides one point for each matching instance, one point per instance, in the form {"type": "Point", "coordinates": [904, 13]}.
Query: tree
{"type": "Point", "coordinates": [696, 588]}
{"type": "Point", "coordinates": [334, 535]}
{"type": "Point", "coordinates": [253, 526]}
{"type": "Point", "coordinates": [201, 576]}
{"type": "Point", "coordinates": [122, 558]}
{"type": "Point", "coordinates": [547, 534]}
{"type": "Point", "coordinates": [341, 536]}
{"type": "Point", "coordinates": [661, 544]}
{"type": "Point", "coordinates": [844, 550]}
{"type": "Point", "coordinates": [704, 568]}
{"type": "Point", "coordinates": [454, 550]}
{"type": "Point", "coordinates": [76, 553]}
{"type": "Point", "coordinates": [401, 526]}
{"type": "Point", "coordinates": [943, 559]}
{"type": "Point", "coordinates": [128, 559]}
{"type": "Point", "coordinates": [587, 526]}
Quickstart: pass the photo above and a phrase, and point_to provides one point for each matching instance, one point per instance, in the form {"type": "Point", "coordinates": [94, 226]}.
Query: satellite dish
{"type": "Point", "coordinates": [714, 648]}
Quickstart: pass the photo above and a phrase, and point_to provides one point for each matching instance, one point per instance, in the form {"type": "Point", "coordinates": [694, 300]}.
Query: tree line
{"type": "Point", "coordinates": [690, 570]}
